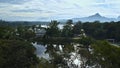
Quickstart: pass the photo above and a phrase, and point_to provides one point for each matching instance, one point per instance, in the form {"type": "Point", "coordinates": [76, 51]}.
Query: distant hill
{"type": "Point", "coordinates": [118, 18]}
{"type": "Point", "coordinates": [95, 17]}
{"type": "Point", "coordinates": [92, 18]}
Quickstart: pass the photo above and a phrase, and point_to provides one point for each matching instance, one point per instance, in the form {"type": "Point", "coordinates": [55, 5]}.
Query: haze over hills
{"type": "Point", "coordinates": [118, 18]}
{"type": "Point", "coordinates": [95, 17]}
{"type": "Point", "coordinates": [91, 18]}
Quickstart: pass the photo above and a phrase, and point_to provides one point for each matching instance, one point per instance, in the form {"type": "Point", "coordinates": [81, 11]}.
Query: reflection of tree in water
{"type": "Point", "coordinates": [66, 53]}
{"type": "Point", "coordinates": [85, 53]}
{"type": "Point", "coordinates": [60, 54]}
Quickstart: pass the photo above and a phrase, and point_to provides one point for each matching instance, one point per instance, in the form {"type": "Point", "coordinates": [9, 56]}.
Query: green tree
{"type": "Point", "coordinates": [77, 27]}
{"type": "Point", "coordinates": [17, 54]}
{"type": "Point", "coordinates": [53, 30]}
{"type": "Point", "coordinates": [24, 33]}
{"type": "Point", "coordinates": [68, 29]}
{"type": "Point", "coordinates": [106, 54]}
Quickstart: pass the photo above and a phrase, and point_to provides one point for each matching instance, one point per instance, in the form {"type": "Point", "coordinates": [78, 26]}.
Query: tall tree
{"type": "Point", "coordinates": [77, 27]}
{"type": "Point", "coordinates": [68, 29]}
{"type": "Point", "coordinates": [53, 30]}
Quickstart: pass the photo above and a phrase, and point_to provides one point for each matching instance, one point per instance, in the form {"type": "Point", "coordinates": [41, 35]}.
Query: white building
{"type": "Point", "coordinates": [40, 32]}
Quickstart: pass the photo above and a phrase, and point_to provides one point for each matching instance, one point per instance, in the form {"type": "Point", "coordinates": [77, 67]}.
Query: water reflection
{"type": "Point", "coordinates": [60, 55]}
{"type": "Point", "coordinates": [40, 51]}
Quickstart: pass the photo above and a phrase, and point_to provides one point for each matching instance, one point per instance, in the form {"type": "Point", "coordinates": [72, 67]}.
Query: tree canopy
{"type": "Point", "coordinates": [17, 54]}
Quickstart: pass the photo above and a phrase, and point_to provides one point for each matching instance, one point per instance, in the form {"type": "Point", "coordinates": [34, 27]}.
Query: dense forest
{"type": "Point", "coordinates": [97, 30]}
{"type": "Point", "coordinates": [16, 50]}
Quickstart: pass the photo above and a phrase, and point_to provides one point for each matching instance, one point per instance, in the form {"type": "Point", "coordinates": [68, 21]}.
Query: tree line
{"type": "Point", "coordinates": [96, 30]}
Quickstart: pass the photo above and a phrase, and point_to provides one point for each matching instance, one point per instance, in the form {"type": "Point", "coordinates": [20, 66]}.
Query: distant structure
{"type": "Point", "coordinates": [44, 26]}
{"type": "Point", "coordinates": [40, 32]}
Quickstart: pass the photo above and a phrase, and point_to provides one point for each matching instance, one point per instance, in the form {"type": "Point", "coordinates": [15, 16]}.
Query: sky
{"type": "Point", "coordinates": [40, 10]}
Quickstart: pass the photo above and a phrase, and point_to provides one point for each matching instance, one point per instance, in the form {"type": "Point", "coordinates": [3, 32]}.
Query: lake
{"type": "Point", "coordinates": [69, 53]}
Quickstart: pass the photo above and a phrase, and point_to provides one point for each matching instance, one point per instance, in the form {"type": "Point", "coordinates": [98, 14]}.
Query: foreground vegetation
{"type": "Point", "coordinates": [16, 50]}
{"type": "Point", "coordinates": [17, 54]}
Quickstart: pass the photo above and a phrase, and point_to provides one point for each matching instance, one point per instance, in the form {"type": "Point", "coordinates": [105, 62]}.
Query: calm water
{"type": "Point", "coordinates": [46, 51]}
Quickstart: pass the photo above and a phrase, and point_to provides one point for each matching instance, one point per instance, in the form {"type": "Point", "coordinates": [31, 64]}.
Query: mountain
{"type": "Point", "coordinates": [92, 18]}
{"type": "Point", "coordinates": [118, 18]}
{"type": "Point", "coordinates": [95, 17]}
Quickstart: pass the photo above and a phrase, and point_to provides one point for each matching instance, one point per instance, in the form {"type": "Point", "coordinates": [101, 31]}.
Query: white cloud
{"type": "Point", "coordinates": [52, 9]}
